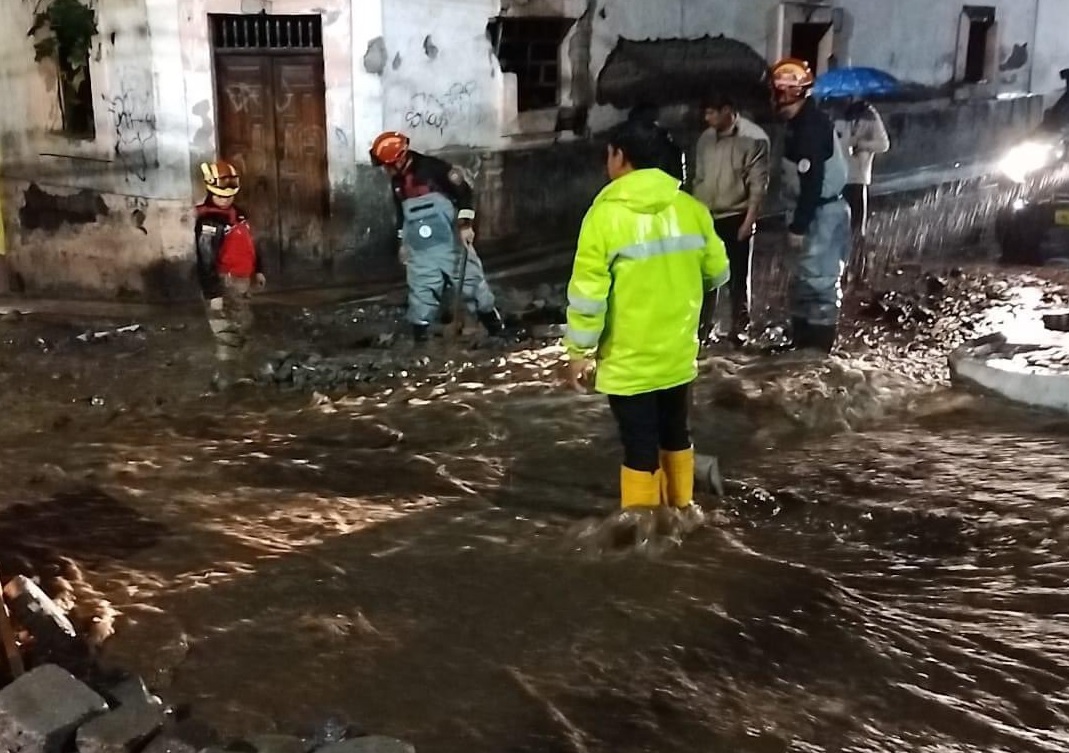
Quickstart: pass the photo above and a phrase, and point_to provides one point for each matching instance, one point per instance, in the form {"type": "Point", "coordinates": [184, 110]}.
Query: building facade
{"type": "Point", "coordinates": [100, 170]}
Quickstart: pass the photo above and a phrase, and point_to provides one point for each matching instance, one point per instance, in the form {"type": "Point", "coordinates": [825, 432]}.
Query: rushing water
{"type": "Point", "coordinates": [408, 563]}
{"type": "Point", "coordinates": [887, 572]}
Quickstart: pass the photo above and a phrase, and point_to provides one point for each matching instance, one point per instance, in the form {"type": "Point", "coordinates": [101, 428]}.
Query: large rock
{"type": "Point", "coordinates": [53, 632]}
{"type": "Point", "coordinates": [41, 711]}
{"type": "Point", "coordinates": [372, 744]}
{"type": "Point", "coordinates": [122, 731]}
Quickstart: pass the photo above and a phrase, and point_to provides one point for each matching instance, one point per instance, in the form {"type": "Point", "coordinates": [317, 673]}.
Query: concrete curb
{"type": "Point", "coordinates": [1034, 374]}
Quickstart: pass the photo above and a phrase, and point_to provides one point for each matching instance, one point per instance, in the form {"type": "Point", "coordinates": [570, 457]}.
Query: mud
{"type": "Point", "coordinates": [885, 573]}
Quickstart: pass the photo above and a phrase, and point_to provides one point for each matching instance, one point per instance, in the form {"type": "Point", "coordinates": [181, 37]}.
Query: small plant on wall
{"type": "Point", "coordinates": [63, 32]}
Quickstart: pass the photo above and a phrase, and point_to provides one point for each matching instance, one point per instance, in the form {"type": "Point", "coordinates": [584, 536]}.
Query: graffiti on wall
{"type": "Point", "coordinates": [454, 107]}
{"type": "Point", "coordinates": [244, 97]}
{"type": "Point", "coordinates": [132, 115]}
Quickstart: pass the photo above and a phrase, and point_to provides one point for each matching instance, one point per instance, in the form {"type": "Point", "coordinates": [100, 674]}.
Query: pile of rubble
{"type": "Point", "coordinates": [368, 343]}
{"type": "Point", "coordinates": [311, 371]}
{"type": "Point", "coordinates": [49, 710]}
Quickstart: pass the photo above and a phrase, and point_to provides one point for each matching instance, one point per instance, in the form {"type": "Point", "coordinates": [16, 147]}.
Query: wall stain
{"type": "Point", "coordinates": [375, 57]}
{"type": "Point", "coordinates": [45, 211]}
{"type": "Point", "coordinates": [429, 47]}
{"type": "Point", "coordinates": [1017, 58]}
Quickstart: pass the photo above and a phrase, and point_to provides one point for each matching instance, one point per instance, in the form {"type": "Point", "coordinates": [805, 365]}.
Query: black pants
{"type": "Point", "coordinates": [651, 422]}
{"type": "Point", "coordinates": [740, 259]}
{"type": "Point", "coordinates": [857, 196]}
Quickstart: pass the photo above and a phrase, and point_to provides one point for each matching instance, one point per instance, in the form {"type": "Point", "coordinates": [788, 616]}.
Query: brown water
{"type": "Point", "coordinates": [887, 573]}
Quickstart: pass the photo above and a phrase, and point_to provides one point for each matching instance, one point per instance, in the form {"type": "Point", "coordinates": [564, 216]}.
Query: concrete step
{"type": "Point", "coordinates": [1034, 373]}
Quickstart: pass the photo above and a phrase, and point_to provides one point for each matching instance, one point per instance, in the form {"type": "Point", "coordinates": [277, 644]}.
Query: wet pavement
{"type": "Point", "coordinates": [886, 573]}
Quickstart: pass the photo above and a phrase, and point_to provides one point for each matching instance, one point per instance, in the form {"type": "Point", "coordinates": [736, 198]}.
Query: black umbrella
{"type": "Point", "coordinates": [682, 71]}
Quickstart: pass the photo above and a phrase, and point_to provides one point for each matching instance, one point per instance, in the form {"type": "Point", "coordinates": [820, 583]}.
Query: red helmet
{"type": "Point", "coordinates": [221, 178]}
{"type": "Point", "coordinates": [791, 80]}
{"type": "Point", "coordinates": [389, 148]}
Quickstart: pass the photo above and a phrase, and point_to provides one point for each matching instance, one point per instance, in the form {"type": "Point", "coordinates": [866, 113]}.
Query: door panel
{"type": "Point", "coordinates": [272, 126]}
{"type": "Point", "coordinates": [247, 137]}
{"type": "Point", "coordinates": [300, 124]}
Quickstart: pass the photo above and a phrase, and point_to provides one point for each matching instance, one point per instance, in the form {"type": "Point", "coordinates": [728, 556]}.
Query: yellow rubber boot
{"type": "Point", "coordinates": [639, 488]}
{"type": "Point", "coordinates": [678, 468]}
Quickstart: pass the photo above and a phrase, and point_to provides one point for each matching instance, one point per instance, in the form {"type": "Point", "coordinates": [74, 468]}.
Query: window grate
{"type": "Point", "coordinates": [529, 46]}
{"type": "Point", "coordinates": [261, 32]}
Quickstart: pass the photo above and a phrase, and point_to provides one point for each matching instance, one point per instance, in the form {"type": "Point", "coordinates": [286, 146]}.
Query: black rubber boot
{"type": "Point", "coordinates": [492, 321]}
{"type": "Point", "coordinates": [421, 332]}
{"type": "Point", "coordinates": [822, 337]}
{"type": "Point", "coordinates": [801, 333]}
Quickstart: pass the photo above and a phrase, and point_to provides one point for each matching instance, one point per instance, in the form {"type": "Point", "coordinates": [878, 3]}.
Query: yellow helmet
{"type": "Point", "coordinates": [221, 178]}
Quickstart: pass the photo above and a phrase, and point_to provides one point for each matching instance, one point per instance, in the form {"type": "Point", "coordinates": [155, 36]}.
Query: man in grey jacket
{"type": "Point", "coordinates": [863, 135]}
{"type": "Point", "coordinates": [731, 170]}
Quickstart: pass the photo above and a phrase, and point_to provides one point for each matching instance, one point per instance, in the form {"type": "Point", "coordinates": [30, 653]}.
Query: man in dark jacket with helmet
{"type": "Point", "coordinates": [814, 175]}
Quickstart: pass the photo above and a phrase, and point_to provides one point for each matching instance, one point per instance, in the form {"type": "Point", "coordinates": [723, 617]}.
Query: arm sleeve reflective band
{"type": "Point", "coordinates": [466, 214]}
{"type": "Point", "coordinates": [588, 292]}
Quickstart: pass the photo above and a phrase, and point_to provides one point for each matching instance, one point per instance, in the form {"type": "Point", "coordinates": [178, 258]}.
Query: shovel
{"type": "Point", "coordinates": [456, 327]}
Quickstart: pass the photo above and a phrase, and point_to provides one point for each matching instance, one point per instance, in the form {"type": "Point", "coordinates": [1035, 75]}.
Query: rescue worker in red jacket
{"type": "Point", "coordinates": [436, 229]}
{"type": "Point", "coordinates": [228, 267]}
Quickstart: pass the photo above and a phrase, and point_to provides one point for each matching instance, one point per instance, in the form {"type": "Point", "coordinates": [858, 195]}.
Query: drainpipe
{"type": "Point", "coordinates": [1035, 39]}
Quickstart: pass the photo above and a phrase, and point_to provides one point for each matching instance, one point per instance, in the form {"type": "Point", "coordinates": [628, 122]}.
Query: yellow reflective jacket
{"type": "Point", "coordinates": [647, 255]}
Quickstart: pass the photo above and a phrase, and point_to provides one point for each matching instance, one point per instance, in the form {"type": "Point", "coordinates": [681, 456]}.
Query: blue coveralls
{"type": "Point", "coordinates": [429, 231]}
{"type": "Point", "coordinates": [815, 172]}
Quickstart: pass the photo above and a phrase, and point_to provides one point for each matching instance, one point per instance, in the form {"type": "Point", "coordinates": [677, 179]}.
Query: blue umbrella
{"type": "Point", "coordinates": [841, 83]}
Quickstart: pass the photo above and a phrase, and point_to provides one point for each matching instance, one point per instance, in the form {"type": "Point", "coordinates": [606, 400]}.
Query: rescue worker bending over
{"type": "Point", "coordinates": [814, 175]}
{"type": "Point", "coordinates": [647, 254]}
{"type": "Point", "coordinates": [228, 267]}
{"type": "Point", "coordinates": [435, 228]}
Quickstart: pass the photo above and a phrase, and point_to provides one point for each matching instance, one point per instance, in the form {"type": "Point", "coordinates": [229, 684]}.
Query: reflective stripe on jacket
{"type": "Point", "coordinates": [647, 255]}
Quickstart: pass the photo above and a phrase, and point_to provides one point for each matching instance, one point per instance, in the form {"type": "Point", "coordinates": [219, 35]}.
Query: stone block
{"type": "Point", "coordinates": [124, 730]}
{"type": "Point", "coordinates": [372, 744]}
{"type": "Point", "coordinates": [42, 710]}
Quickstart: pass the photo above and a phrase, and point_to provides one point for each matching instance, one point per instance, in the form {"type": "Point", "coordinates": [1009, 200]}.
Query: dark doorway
{"type": "Point", "coordinates": [976, 52]}
{"type": "Point", "coordinates": [271, 111]}
{"type": "Point", "coordinates": [807, 39]}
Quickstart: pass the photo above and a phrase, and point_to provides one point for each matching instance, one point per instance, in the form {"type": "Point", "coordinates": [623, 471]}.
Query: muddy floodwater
{"type": "Point", "coordinates": [887, 572]}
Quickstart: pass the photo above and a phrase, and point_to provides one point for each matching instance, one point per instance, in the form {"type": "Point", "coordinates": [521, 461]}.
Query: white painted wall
{"type": "Point", "coordinates": [1051, 50]}
{"type": "Point", "coordinates": [453, 96]}
{"type": "Point", "coordinates": [916, 40]}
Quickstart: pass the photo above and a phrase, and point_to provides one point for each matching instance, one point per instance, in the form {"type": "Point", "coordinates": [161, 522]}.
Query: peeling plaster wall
{"type": "Point", "coordinates": [442, 83]}
{"type": "Point", "coordinates": [917, 39]}
{"type": "Point", "coordinates": [128, 166]}
{"type": "Point", "coordinates": [1051, 50]}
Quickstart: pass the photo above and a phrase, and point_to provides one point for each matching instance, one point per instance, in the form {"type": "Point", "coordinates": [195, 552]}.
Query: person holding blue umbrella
{"type": "Point", "coordinates": [864, 135]}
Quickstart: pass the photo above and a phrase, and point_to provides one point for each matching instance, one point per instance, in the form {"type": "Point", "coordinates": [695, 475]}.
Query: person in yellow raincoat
{"type": "Point", "coordinates": [646, 257]}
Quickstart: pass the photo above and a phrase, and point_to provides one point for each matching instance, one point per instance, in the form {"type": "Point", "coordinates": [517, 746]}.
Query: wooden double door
{"type": "Point", "coordinates": [271, 115]}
